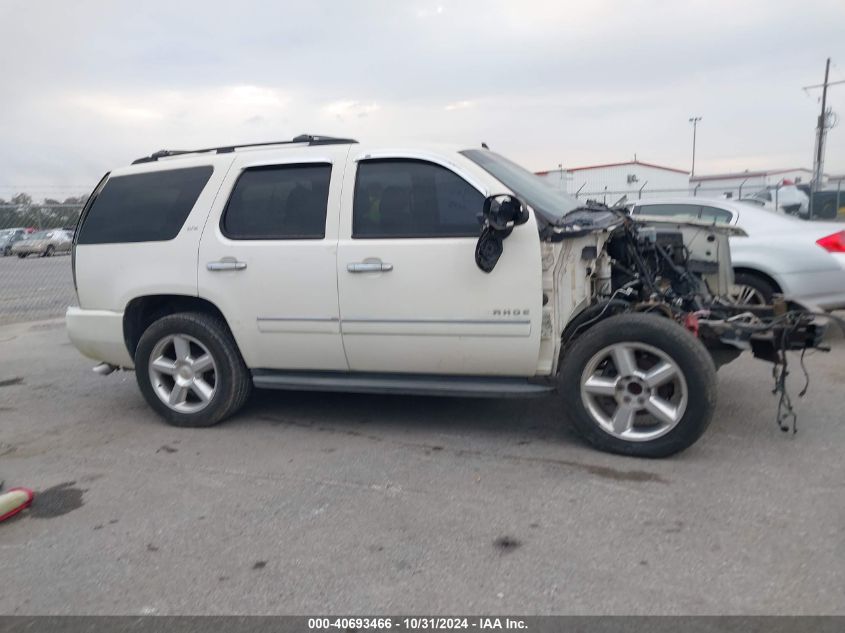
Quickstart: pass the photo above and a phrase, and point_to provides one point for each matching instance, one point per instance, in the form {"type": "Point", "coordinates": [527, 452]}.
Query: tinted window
{"type": "Point", "coordinates": [279, 202]}
{"type": "Point", "coordinates": [410, 198]}
{"type": "Point", "coordinates": [143, 207]}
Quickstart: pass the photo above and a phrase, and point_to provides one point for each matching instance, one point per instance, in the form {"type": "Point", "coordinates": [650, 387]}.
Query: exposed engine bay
{"type": "Point", "coordinates": [600, 262]}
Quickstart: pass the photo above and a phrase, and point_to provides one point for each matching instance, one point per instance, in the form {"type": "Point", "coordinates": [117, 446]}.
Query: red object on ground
{"type": "Point", "coordinates": [27, 502]}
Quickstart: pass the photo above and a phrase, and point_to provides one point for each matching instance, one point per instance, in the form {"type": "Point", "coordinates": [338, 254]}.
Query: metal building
{"type": "Point", "coordinates": [745, 183]}
{"type": "Point", "coordinates": [609, 182]}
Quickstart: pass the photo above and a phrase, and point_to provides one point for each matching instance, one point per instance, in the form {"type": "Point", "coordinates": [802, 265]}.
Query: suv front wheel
{"type": "Point", "coordinates": [190, 371]}
{"type": "Point", "coordinates": [639, 385]}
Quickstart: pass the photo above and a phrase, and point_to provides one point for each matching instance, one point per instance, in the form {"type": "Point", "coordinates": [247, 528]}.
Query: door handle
{"type": "Point", "coordinates": [225, 264]}
{"type": "Point", "coordinates": [369, 266]}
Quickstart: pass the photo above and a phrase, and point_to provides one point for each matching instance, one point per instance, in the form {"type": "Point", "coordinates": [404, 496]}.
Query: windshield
{"type": "Point", "coordinates": [549, 202]}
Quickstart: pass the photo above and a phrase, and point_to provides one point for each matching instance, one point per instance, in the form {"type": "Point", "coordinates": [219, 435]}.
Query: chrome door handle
{"type": "Point", "coordinates": [225, 264]}
{"type": "Point", "coordinates": [369, 266]}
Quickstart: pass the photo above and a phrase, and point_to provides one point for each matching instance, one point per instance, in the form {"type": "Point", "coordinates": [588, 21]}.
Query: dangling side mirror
{"type": "Point", "coordinates": [500, 214]}
{"type": "Point", "coordinates": [503, 212]}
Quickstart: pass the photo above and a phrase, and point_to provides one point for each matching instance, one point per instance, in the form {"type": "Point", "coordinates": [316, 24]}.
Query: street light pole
{"type": "Point", "coordinates": [694, 120]}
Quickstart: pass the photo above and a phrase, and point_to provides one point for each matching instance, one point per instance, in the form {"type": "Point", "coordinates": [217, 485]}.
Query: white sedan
{"type": "Point", "coordinates": [804, 261]}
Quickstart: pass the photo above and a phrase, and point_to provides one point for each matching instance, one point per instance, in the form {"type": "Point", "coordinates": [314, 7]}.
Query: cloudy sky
{"type": "Point", "coordinates": [89, 85]}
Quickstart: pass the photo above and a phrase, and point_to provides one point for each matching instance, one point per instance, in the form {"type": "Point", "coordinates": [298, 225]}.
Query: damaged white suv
{"type": "Point", "coordinates": [324, 264]}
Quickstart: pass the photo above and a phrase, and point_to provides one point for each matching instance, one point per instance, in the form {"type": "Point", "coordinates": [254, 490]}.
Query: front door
{"type": "Point", "coordinates": [412, 299]}
{"type": "Point", "coordinates": [268, 258]}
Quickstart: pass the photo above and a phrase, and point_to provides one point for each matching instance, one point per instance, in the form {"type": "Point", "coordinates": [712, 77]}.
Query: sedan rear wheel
{"type": "Point", "coordinates": [751, 289]}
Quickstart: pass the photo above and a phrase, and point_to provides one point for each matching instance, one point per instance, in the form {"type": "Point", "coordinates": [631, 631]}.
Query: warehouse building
{"type": "Point", "coordinates": [609, 182]}
{"type": "Point", "coordinates": [745, 183]}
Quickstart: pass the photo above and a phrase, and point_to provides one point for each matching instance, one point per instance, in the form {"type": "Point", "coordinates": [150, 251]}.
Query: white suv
{"type": "Point", "coordinates": [324, 264]}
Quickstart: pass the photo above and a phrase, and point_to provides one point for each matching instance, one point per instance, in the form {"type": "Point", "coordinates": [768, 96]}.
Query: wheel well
{"type": "Point", "coordinates": [750, 271]}
{"type": "Point", "coordinates": [142, 312]}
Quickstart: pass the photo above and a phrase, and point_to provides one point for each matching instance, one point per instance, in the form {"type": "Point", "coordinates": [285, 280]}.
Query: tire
{"type": "Point", "coordinates": [656, 342]}
{"type": "Point", "coordinates": [48, 252]}
{"type": "Point", "coordinates": [22, 255]}
{"type": "Point", "coordinates": [228, 378]}
{"type": "Point", "coordinates": [762, 289]}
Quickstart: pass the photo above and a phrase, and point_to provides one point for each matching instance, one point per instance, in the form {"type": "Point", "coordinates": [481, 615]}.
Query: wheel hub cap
{"type": "Point", "coordinates": [183, 373]}
{"type": "Point", "coordinates": [634, 391]}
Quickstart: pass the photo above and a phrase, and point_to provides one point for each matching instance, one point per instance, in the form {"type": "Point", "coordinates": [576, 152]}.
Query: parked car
{"type": "Point", "coordinates": [43, 243]}
{"type": "Point", "coordinates": [8, 237]}
{"type": "Point", "coordinates": [322, 264]}
{"type": "Point", "coordinates": [779, 253]}
{"type": "Point", "coordinates": [826, 204]}
{"type": "Point", "coordinates": [787, 199]}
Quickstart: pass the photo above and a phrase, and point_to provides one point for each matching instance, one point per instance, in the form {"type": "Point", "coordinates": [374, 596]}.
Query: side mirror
{"type": "Point", "coordinates": [501, 213]}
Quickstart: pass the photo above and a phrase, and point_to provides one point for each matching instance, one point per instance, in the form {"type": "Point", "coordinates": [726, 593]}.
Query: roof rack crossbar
{"type": "Point", "coordinates": [310, 139]}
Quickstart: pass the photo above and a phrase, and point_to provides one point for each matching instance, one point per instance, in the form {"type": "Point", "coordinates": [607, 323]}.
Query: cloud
{"type": "Point", "coordinates": [544, 82]}
{"type": "Point", "coordinates": [342, 110]}
{"type": "Point", "coordinates": [459, 105]}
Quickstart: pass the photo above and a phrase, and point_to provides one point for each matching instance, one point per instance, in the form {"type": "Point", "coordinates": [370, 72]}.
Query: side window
{"type": "Point", "coordinates": [147, 207]}
{"type": "Point", "coordinates": [278, 202]}
{"type": "Point", "coordinates": [670, 210]}
{"type": "Point", "coordinates": [412, 198]}
{"type": "Point", "coordinates": [717, 216]}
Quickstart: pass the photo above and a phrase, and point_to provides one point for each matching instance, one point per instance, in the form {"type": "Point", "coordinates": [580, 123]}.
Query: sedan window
{"type": "Point", "coordinates": [689, 211]}
{"type": "Point", "coordinates": [684, 211]}
{"type": "Point", "coordinates": [717, 216]}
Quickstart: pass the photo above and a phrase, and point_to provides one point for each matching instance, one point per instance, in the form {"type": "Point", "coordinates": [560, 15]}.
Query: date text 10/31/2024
{"type": "Point", "coordinates": [416, 623]}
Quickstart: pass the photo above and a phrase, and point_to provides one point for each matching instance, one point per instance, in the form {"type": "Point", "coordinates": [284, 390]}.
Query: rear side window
{"type": "Point", "coordinates": [149, 207]}
{"type": "Point", "coordinates": [412, 198]}
{"type": "Point", "coordinates": [717, 216]}
{"type": "Point", "coordinates": [279, 202]}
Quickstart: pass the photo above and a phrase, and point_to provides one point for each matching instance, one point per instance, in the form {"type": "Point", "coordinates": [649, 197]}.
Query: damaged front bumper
{"type": "Point", "coordinates": [767, 331]}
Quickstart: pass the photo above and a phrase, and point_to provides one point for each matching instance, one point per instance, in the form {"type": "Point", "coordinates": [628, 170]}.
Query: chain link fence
{"type": "Point", "coordinates": [36, 282]}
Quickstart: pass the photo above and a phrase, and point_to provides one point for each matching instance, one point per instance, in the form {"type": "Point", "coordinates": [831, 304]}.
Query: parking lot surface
{"type": "Point", "coordinates": [315, 503]}
{"type": "Point", "coordinates": [34, 288]}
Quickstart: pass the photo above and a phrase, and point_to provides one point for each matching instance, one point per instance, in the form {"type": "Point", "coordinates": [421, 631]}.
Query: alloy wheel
{"type": "Point", "coordinates": [747, 295]}
{"type": "Point", "coordinates": [183, 373]}
{"type": "Point", "coordinates": [634, 391]}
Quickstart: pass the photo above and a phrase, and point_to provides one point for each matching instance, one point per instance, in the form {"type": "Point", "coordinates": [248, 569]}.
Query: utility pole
{"type": "Point", "coordinates": [694, 120]}
{"type": "Point", "coordinates": [821, 133]}
{"type": "Point", "coordinates": [818, 159]}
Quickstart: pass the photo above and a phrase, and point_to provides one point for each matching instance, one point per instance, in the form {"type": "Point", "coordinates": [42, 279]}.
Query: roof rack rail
{"type": "Point", "coordinates": [311, 139]}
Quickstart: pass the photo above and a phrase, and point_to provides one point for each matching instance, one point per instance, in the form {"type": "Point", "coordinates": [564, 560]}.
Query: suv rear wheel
{"type": "Point", "coordinates": [639, 385]}
{"type": "Point", "coordinates": [190, 371]}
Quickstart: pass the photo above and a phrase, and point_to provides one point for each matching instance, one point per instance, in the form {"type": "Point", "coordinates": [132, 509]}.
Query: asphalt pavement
{"type": "Point", "coordinates": [342, 504]}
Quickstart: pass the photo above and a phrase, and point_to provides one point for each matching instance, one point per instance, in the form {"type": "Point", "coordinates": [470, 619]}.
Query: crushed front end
{"type": "Point", "coordinates": [678, 269]}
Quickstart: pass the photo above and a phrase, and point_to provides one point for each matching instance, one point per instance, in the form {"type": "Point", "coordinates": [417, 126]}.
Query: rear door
{"type": "Point", "coordinates": [412, 299]}
{"type": "Point", "coordinates": [268, 258]}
